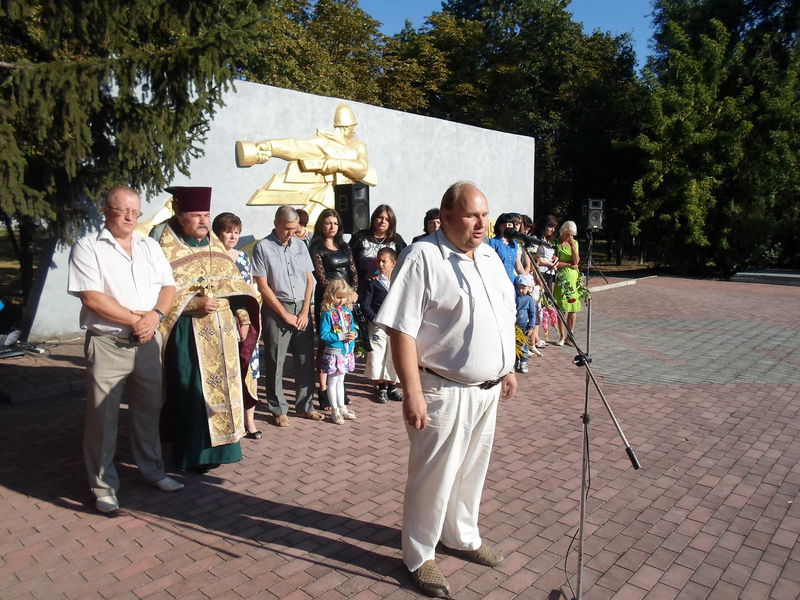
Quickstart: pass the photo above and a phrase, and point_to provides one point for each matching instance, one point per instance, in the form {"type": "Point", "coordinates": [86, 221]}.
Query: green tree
{"type": "Point", "coordinates": [526, 67]}
{"type": "Point", "coordinates": [99, 92]}
{"type": "Point", "coordinates": [328, 47]}
{"type": "Point", "coordinates": [334, 48]}
{"type": "Point", "coordinates": [695, 136]}
{"type": "Point", "coordinates": [413, 71]}
{"type": "Point", "coordinates": [721, 187]}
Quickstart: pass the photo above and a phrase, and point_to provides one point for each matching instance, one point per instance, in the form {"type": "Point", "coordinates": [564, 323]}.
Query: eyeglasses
{"type": "Point", "coordinates": [128, 212]}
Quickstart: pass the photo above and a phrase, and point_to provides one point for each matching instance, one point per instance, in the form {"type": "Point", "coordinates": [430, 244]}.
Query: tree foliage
{"type": "Point", "coordinates": [334, 48]}
{"type": "Point", "coordinates": [699, 155]}
{"type": "Point", "coordinates": [721, 187]}
{"type": "Point", "coordinates": [97, 92]}
{"type": "Point", "coordinates": [525, 66]}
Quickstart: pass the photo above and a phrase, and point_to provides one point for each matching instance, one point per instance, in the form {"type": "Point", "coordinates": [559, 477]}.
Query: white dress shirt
{"type": "Point", "coordinates": [460, 311]}
{"type": "Point", "coordinates": [98, 263]}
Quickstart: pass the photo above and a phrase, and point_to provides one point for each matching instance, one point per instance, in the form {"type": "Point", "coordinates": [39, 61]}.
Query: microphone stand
{"type": "Point", "coordinates": [585, 465]}
{"type": "Point", "coordinates": [582, 359]}
{"type": "Point", "coordinates": [591, 262]}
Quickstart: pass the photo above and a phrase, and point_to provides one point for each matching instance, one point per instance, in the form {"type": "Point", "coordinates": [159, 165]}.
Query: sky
{"type": "Point", "coordinates": [616, 16]}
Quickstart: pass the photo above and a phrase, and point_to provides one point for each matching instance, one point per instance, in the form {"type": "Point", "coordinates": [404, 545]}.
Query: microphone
{"type": "Point", "coordinates": [528, 240]}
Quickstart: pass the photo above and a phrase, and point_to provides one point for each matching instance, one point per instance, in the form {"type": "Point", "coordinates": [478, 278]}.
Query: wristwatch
{"type": "Point", "coordinates": [161, 316]}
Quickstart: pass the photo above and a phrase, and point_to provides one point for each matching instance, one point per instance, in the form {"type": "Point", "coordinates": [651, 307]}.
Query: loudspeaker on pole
{"type": "Point", "coordinates": [351, 201]}
{"type": "Point", "coordinates": [591, 213]}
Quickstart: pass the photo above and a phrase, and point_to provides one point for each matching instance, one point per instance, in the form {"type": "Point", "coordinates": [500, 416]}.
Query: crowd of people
{"type": "Point", "coordinates": [182, 324]}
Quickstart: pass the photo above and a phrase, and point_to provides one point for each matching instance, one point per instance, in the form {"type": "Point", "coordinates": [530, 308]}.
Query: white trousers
{"type": "Point", "coordinates": [379, 365]}
{"type": "Point", "coordinates": [447, 466]}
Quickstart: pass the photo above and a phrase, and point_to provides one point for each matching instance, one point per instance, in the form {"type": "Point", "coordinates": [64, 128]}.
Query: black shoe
{"type": "Point", "coordinates": [322, 399]}
{"type": "Point", "coordinates": [394, 393]}
{"type": "Point", "coordinates": [381, 397]}
{"type": "Point", "coordinates": [202, 468]}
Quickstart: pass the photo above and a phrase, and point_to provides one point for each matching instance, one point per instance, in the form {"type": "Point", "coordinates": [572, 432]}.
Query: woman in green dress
{"type": "Point", "coordinates": [567, 274]}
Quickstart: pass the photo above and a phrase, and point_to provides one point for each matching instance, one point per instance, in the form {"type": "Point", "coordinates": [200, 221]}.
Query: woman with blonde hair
{"type": "Point", "coordinates": [567, 275]}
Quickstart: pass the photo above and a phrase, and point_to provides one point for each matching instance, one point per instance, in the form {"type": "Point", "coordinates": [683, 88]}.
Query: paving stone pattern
{"type": "Point", "coordinates": [691, 339]}
{"type": "Point", "coordinates": [701, 375]}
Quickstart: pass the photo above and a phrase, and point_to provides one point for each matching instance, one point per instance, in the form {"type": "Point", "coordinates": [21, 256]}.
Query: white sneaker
{"type": "Point", "coordinates": [541, 344]}
{"type": "Point", "coordinates": [107, 504]}
{"type": "Point", "coordinates": [336, 417]}
{"type": "Point", "coordinates": [348, 414]}
{"type": "Point", "coordinates": [168, 484]}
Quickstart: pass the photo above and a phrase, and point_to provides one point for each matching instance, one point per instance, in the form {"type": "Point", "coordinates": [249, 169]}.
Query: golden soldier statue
{"type": "Point", "coordinates": [316, 165]}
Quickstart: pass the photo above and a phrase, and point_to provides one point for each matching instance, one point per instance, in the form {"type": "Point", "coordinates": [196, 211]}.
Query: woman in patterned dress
{"type": "Point", "coordinates": [228, 227]}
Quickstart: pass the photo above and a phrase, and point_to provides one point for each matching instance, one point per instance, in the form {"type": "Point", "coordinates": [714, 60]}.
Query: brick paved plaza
{"type": "Point", "coordinates": [702, 375]}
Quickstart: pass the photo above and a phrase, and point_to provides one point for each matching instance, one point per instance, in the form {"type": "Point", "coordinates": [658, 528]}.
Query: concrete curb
{"type": "Point", "coordinates": [64, 388]}
{"type": "Point", "coordinates": [611, 286]}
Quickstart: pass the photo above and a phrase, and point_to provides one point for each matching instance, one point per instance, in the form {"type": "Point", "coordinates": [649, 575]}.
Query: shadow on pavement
{"type": "Point", "coordinates": [43, 461]}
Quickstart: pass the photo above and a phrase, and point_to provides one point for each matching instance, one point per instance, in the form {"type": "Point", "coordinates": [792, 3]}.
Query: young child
{"type": "Point", "coordinates": [379, 367]}
{"type": "Point", "coordinates": [536, 341]}
{"type": "Point", "coordinates": [338, 331]}
{"type": "Point", "coordinates": [526, 319]}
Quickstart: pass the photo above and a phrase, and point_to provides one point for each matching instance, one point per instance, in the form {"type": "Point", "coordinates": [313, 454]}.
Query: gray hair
{"type": "Point", "coordinates": [452, 194]}
{"type": "Point", "coordinates": [286, 214]}
{"type": "Point", "coordinates": [569, 227]}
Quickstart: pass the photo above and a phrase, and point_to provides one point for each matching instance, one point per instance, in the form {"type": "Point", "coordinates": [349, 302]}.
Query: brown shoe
{"type": "Point", "coordinates": [485, 555]}
{"type": "Point", "coordinates": [281, 420]}
{"type": "Point", "coordinates": [430, 581]}
{"type": "Point", "coordinates": [314, 415]}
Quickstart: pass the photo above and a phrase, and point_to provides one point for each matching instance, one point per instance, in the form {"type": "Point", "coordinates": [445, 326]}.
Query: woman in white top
{"type": "Point", "coordinates": [545, 229]}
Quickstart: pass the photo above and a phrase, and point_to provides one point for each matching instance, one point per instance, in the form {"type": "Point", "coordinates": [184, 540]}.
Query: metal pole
{"type": "Point", "coordinates": [585, 420]}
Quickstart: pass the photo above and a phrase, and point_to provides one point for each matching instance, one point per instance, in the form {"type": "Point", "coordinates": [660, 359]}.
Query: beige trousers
{"type": "Point", "coordinates": [118, 370]}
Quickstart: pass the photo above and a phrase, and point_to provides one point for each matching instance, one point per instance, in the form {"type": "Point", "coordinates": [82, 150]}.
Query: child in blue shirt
{"type": "Point", "coordinates": [527, 314]}
{"type": "Point", "coordinates": [338, 331]}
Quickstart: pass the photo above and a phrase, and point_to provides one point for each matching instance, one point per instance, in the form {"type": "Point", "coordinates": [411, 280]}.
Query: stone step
{"type": "Point", "coordinates": [772, 276]}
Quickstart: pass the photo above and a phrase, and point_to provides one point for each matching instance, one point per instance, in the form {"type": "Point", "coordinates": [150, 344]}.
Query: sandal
{"type": "Point", "coordinates": [313, 415]}
{"type": "Point", "coordinates": [253, 435]}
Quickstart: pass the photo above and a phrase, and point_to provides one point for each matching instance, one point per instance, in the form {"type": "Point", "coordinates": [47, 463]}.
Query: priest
{"type": "Point", "coordinates": [211, 331]}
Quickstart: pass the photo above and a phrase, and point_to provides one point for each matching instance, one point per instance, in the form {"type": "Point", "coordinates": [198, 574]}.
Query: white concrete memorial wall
{"type": "Point", "coordinates": [416, 159]}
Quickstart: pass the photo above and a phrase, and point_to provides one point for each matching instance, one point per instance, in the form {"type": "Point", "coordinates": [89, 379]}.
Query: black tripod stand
{"type": "Point", "coordinates": [583, 359]}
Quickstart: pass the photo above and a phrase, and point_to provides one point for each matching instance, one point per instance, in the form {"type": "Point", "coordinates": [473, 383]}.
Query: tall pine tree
{"type": "Point", "coordinates": [99, 92]}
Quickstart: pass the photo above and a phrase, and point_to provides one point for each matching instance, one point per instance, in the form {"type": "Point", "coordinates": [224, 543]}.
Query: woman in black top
{"type": "Point", "coordinates": [332, 259]}
{"type": "Point", "coordinates": [366, 243]}
{"type": "Point", "coordinates": [430, 223]}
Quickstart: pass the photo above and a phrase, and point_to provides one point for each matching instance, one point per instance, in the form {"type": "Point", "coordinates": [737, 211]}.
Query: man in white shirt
{"type": "Point", "coordinates": [450, 315]}
{"type": "Point", "coordinates": [125, 286]}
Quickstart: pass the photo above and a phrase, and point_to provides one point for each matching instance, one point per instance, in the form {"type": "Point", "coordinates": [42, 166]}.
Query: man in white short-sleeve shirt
{"type": "Point", "coordinates": [125, 286]}
{"type": "Point", "coordinates": [450, 315]}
